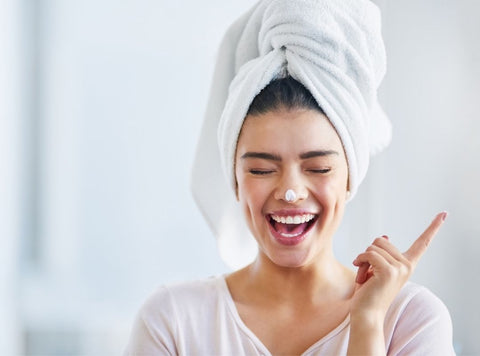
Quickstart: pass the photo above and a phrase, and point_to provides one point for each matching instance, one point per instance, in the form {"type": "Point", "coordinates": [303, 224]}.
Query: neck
{"type": "Point", "coordinates": [319, 282]}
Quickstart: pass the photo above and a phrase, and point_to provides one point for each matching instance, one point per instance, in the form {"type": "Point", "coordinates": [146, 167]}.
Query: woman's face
{"type": "Point", "coordinates": [294, 149]}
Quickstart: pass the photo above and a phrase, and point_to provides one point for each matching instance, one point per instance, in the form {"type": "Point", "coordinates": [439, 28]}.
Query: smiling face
{"type": "Point", "coordinates": [295, 149]}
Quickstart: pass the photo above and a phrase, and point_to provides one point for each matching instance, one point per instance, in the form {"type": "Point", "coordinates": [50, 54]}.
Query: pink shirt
{"type": "Point", "coordinates": [200, 318]}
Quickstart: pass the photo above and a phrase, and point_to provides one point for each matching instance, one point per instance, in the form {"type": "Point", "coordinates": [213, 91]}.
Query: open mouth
{"type": "Point", "coordinates": [290, 229]}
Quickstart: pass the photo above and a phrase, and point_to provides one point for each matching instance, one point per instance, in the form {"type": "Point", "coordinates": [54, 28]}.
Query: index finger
{"type": "Point", "coordinates": [420, 245]}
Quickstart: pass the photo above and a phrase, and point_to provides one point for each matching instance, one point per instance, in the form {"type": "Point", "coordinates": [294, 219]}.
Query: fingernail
{"type": "Point", "coordinates": [444, 215]}
{"type": "Point", "coordinates": [385, 237]}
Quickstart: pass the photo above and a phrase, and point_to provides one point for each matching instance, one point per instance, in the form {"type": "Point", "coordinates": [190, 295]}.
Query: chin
{"type": "Point", "coordinates": [289, 259]}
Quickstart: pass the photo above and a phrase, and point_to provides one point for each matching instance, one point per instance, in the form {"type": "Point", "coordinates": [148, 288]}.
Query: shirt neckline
{"type": "Point", "coordinates": [258, 343]}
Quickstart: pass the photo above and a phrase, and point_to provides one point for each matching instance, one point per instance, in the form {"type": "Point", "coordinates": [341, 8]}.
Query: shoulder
{"type": "Point", "coordinates": [181, 297]}
{"type": "Point", "coordinates": [418, 322]}
{"type": "Point", "coordinates": [420, 303]}
{"type": "Point", "coordinates": [417, 297]}
{"type": "Point", "coordinates": [167, 313]}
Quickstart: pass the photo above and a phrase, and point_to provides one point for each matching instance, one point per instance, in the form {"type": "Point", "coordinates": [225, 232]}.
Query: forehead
{"type": "Point", "coordinates": [288, 131]}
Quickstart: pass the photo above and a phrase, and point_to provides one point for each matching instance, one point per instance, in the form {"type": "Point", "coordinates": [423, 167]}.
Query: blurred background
{"type": "Point", "coordinates": [101, 103]}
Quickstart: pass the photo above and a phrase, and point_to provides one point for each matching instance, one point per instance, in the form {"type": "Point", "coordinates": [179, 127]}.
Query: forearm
{"type": "Point", "coordinates": [366, 336]}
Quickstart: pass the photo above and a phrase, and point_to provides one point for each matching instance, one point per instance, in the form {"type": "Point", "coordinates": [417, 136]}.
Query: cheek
{"type": "Point", "coordinates": [252, 195]}
{"type": "Point", "coordinates": [249, 191]}
{"type": "Point", "coordinates": [330, 190]}
{"type": "Point", "coordinates": [251, 198]}
{"type": "Point", "coordinates": [330, 187]}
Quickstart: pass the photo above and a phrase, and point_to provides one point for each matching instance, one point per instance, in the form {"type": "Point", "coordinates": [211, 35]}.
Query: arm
{"type": "Point", "coordinates": [383, 270]}
{"type": "Point", "coordinates": [366, 335]}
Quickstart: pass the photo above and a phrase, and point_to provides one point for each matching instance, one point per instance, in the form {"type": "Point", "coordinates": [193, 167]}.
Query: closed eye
{"type": "Point", "coordinates": [260, 172]}
{"type": "Point", "coordinates": [321, 171]}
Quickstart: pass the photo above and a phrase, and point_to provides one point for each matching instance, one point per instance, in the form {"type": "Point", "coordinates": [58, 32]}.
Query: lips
{"type": "Point", "coordinates": [291, 228]}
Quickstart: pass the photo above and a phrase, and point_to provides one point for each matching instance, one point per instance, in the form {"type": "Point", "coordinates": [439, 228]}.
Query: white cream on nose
{"type": "Point", "coordinates": [290, 195]}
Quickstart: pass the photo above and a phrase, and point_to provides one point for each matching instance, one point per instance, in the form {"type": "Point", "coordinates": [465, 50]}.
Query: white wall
{"type": "Point", "coordinates": [9, 177]}
{"type": "Point", "coordinates": [121, 90]}
{"type": "Point", "coordinates": [432, 93]}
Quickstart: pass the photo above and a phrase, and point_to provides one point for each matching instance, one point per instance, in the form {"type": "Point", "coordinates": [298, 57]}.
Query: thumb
{"type": "Point", "coordinates": [420, 245]}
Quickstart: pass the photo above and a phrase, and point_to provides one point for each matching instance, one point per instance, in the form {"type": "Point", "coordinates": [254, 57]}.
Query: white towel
{"type": "Point", "coordinates": [335, 49]}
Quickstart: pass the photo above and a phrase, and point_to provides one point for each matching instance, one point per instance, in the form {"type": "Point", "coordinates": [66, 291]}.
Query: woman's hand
{"type": "Point", "coordinates": [383, 270]}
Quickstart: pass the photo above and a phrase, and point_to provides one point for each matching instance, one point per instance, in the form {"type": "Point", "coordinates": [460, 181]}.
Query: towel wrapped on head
{"type": "Point", "coordinates": [335, 49]}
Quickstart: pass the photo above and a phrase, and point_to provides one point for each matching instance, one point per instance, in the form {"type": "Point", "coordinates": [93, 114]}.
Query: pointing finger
{"type": "Point", "coordinates": [420, 245]}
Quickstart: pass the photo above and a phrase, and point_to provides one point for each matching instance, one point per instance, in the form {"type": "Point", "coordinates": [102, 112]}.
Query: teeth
{"type": "Point", "coordinates": [295, 219]}
{"type": "Point", "coordinates": [291, 235]}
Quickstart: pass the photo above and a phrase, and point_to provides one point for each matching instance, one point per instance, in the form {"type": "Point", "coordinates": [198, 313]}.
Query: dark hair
{"type": "Point", "coordinates": [286, 93]}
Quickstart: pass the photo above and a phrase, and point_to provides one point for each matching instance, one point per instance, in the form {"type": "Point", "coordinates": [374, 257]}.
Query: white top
{"type": "Point", "coordinates": [200, 318]}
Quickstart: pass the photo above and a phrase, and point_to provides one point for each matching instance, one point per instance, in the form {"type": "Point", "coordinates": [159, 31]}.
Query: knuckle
{"type": "Point", "coordinates": [371, 253]}
{"type": "Point", "coordinates": [409, 267]}
{"type": "Point", "coordinates": [404, 270]}
{"type": "Point", "coordinates": [391, 272]}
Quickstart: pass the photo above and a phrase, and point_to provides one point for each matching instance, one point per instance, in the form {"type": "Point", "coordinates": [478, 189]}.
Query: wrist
{"type": "Point", "coordinates": [367, 319]}
{"type": "Point", "coordinates": [366, 334]}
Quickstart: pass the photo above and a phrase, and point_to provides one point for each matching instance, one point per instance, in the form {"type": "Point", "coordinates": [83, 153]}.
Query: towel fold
{"type": "Point", "coordinates": [335, 49]}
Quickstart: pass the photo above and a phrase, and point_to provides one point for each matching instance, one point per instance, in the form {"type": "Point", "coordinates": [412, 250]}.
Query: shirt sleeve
{"type": "Point", "coordinates": [153, 331]}
{"type": "Point", "coordinates": [423, 328]}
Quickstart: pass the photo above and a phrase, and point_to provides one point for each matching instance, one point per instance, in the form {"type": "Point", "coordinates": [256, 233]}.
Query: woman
{"type": "Point", "coordinates": [294, 136]}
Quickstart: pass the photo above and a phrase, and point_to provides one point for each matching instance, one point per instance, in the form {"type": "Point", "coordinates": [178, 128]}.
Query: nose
{"type": "Point", "coordinates": [291, 188]}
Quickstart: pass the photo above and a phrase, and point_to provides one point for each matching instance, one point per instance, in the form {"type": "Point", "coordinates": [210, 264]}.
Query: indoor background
{"type": "Point", "coordinates": [101, 103]}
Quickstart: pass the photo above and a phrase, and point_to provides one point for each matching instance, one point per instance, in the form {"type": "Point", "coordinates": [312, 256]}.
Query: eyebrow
{"type": "Point", "coordinates": [319, 153]}
{"type": "Point", "coordinates": [273, 157]}
{"type": "Point", "coordinates": [262, 155]}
